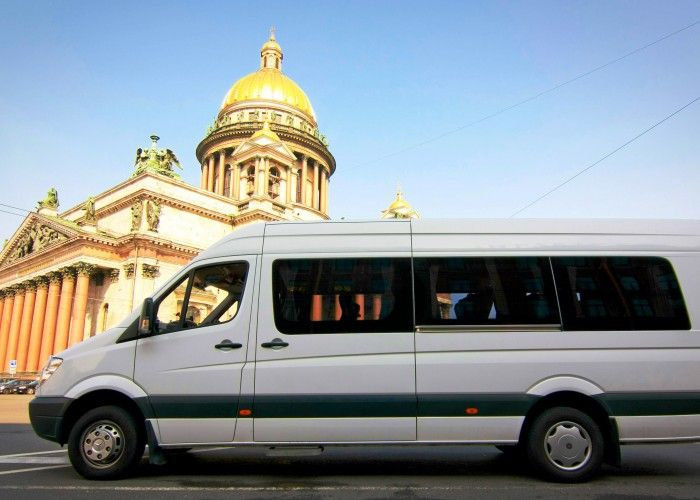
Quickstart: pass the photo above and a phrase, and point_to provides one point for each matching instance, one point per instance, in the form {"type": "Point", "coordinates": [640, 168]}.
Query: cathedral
{"type": "Point", "coordinates": [66, 276]}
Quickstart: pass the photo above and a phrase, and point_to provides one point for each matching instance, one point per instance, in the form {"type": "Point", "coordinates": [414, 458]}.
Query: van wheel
{"type": "Point", "coordinates": [565, 445]}
{"type": "Point", "coordinates": [105, 443]}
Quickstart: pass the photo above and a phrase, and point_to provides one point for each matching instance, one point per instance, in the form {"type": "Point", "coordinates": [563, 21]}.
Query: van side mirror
{"type": "Point", "coordinates": [147, 319]}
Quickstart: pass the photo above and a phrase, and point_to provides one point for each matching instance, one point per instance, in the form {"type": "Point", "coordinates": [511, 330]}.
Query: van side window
{"type": "Point", "coordinates": [484, 291]}
{"type": "Point", "coordinates": [619, 293]}
{"type": "Point", "coordinates": [207, 296]}
{"type": "Point", "coordinates": [342, 295]}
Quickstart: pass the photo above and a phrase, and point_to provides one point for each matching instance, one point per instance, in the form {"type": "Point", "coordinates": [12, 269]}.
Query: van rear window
{"type": "Point", "coordinates": [619, 293]}
{"type": "Point", "coordinates": [342, 295]}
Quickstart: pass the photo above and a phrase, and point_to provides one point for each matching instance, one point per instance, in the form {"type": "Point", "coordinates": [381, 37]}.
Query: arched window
{"type": "Point", "coordinates": [227, 181]}
{"type": "Point", "coordinates": [250, 181]}
{"type": "Point", "coordinates": [273, 184]}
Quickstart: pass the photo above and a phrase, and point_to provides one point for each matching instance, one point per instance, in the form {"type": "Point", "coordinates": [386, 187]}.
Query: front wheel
{"type": "Point", "coordinates": [105, 443]}
{"type": "Point", "coordinates": [566, 445]}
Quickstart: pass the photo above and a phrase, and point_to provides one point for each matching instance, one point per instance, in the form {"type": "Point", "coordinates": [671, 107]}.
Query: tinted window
{"type": "Point", "coordinates": [619, 293]}
{"type": "Point", "coordinates": [483, 291]}
{"type": "Point", "coordinates": [342, 295]}
{"type": "Point", "coordinates": [208, 295]}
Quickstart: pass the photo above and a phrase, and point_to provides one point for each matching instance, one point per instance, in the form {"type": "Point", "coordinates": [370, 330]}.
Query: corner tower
{"type": "Point", "coordinates": [264, 151]}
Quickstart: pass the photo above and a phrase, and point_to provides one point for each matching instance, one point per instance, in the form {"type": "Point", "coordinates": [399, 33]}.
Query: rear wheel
{"type": "Point", "coordinates": [105, 443]}
{"type": "Point", "coordinates": [566, 445]}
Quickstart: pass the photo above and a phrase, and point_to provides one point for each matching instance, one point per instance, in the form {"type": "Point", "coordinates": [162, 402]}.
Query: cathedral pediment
{"type": "Point", "coordinates": [35, 234]}
{"type": "Point", "coordinates": [255, 145]}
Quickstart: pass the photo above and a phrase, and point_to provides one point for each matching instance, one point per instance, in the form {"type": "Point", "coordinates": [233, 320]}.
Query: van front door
{"type": "Point", "coordinates": [191, 367]}
{"type": "Point", "coordinates": [334, 352]}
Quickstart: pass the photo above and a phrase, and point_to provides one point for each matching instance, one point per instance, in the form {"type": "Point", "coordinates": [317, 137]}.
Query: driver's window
{"type": "Point", "coordinates": [207, 296]}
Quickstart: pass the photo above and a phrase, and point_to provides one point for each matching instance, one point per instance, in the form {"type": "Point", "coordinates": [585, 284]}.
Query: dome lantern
{"type": "Point", "coordinates": [271, 53]}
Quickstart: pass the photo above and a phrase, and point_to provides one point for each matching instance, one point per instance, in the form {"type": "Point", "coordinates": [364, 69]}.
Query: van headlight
{"type": "Point", "coordinates": [50, 368]}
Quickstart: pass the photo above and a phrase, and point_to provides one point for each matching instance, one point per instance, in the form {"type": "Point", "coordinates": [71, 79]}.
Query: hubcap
{"type": "Point", "coordinates": [567, 445]}
{"type": "Point", "coordinates": [103, 443]}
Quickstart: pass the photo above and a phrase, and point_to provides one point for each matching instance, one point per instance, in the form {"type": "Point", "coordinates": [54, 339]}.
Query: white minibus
{"type": "Point", "coordinates": [556, 340]}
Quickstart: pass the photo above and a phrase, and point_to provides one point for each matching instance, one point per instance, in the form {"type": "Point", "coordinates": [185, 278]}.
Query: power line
{"type": "Point", "coordinates": [531, 98]}
{"type": "Point", "coordinates": [12, 213]}
{"type": "Point", "coordinates": [15, 208]}
{"type": "Point", "coordinates": [606, 156]}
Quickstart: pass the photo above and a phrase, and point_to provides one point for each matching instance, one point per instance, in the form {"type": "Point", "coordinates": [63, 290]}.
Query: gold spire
{"type": "Point", "coordinates": [400, 208]}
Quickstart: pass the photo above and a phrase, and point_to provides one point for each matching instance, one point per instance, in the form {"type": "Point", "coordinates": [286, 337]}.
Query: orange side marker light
{"type": "Point", "coordinates": [471, 411]}
{"type": "Point", "coordinates": [245, 413]}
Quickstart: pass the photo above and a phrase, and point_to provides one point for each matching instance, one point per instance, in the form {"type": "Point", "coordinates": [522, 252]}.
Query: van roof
{"type": "Point", "coordinates": [637, 234]}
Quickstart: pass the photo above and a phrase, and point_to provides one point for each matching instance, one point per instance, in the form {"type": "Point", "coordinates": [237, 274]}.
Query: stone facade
{"type": "Point", "coordinates": [65, 277]}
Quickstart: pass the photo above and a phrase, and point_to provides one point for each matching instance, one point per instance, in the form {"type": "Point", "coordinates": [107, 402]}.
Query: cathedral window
{"type": "Point", "coordinates": [227, 181]}
{"type": "Point", "coordinates": [250, 181]}
{"type": "Point", "coordinates": [273, 184]}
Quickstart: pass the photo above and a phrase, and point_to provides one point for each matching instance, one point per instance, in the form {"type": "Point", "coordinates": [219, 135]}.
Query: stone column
{"type": "Point", "coordinates": [316, 307]}
{"type": "Point", "coordinates": [64, 309]}
{"type": "Point", "coordinates": [304, 174]}
{"type": "Point", "coordinates": [220, 186]}
{"type": "Point", "coordinates": [210, 174]}
{"type": "Point", "coordinates": [294, 179]}
{"type": "Point", "coordinates": [266, 182]}
{"type": "Point", "coordinates": [26, 326]}
{"type": "Point", "coordinates": [205, 175]}
{"type": "Point", "coordinates": [49, 329]}
{"type": "Point", "coordinates": [42, 288]}
{"type": "Point", "coordinates": [376, 306]}
{"type": "Point", "coordinates": [80, 302]}
{"type": "Point", "coordinates": [327, 188]}
{"type": "Point", "coordinates": [9, 301]}
{"type": "Point", "coordinates": [14, 326]}
{"type": "Point", "coordinates": [315, 191]}
{"type": "Point", "coordinates": [322, 191]}
{"type": "Point", "coordinates": [360, 300]}
{"type": "Point", "coordinates": [236, 193]}
{"type": "Point", "coordinates": [288, 186]}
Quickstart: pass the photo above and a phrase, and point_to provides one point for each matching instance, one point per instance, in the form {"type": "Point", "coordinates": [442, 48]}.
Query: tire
{"type": "Point", "coordinates": [105, 443]}
{"type": "Point", "coordinates": [565, 445]}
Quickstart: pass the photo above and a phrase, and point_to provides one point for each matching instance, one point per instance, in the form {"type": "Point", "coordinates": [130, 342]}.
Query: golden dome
{"type": "Point", "coordinates": [270, 84]}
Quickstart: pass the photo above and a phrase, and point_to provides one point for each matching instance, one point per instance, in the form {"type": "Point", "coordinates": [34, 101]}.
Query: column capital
{"type": "Point", "coordinates": [149, 271]}
{"type": "Point", "coordinates": [67, 272]}
{"type": "Point", "coordinates": [30, 284]}
{"type": "Point", "coordinates": [85, 269]}
{"type": "Point", "coordinates": [54, 277]}
{"type": "Point", "coordinates": [129, 269]}
{"type": "Point", "coordinates": [19, 288]}
{"type": "Point", "coordinates": [113, 275]}
{"type": "Point", "coordinates": [41, 281]}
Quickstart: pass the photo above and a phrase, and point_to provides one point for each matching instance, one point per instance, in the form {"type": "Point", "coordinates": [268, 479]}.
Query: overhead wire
{"type": "Point", "coordinates": [14, 208]}
{"type": "Point", "coordinates": [531, 98]}
{"type": "Point", "coordinates": [608, 155]}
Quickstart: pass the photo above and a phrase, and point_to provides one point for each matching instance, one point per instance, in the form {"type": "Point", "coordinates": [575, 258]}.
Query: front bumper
{"type": "Point", "coordinates": [46, 413]}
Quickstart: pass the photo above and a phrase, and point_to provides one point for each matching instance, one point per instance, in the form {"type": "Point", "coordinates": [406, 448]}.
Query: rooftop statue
{"type": "Point", "coordinates": [51, 200]}
{"type": "Point", "coordinates": [157, 161]}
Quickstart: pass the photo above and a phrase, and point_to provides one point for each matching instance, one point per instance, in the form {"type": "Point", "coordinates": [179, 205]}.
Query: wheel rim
{"type": "Point", "coordinates": [102, 443]}
{"type": "Point", "coordinates": [568, 445]}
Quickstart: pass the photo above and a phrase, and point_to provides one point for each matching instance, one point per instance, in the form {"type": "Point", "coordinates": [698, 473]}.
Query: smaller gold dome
{"type": "Point", "coordinates": [400, 209]}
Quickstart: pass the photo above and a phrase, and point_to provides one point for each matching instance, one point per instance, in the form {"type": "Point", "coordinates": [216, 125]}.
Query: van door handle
{"type": "Point", "coordinates": [275, 344]}
{"type": "Point", "coordinates": [227, 345]}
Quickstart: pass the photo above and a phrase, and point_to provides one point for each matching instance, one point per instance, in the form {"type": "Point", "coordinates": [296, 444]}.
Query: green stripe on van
{"type": "Point", "coordinates": [403, 405]}
{"type": "Point", "coordinates": [636, 404]}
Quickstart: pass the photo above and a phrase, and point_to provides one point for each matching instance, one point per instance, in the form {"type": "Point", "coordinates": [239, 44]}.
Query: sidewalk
{"type": "Point", "coordinates": [14, 408]}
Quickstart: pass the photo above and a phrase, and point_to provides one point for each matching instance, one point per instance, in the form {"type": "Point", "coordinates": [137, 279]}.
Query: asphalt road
{"type": "Point", "coordinates": [33, 468]}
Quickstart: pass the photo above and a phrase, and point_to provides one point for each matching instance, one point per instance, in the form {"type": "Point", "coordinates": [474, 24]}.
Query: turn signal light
{"type": "Point", "coordinates": [471, 411]}
{"type": "Point", "coordinates": [245, 413]}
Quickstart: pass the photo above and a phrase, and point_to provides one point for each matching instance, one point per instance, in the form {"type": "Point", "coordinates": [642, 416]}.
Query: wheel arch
{"type": "Point", "coordinates": [586, 403]}
{"type": "Point", "coordinates": [137, 407]}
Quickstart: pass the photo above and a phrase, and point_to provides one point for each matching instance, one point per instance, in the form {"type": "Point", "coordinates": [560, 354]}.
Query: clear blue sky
{"type": "Point", "coordinates": [84, 83]}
